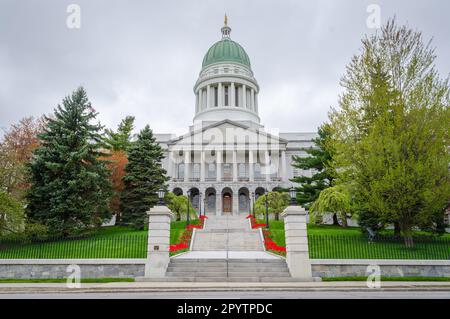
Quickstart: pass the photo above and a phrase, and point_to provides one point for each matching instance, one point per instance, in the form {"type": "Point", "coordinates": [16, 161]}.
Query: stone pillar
{"type": "Point", "coordinates": [218, 203]}
{"type": "Point", "coordinates": [202, 166]}
{"type": "Point", "coordinates": [220, 95]}
{"type": "Point", "coordinates": [297, 255]}
{"type": "Point", "coordinates": [244, 96]}
{"type": "Point", "coordinates": [219, 165]}
{"type": "Point", "coordinates": [267, 165]}
{"type": "Point", "coordinates": [196, 103]}
{"type": "Point", "coordinates": [235, 202]}
{"type": "Point", "coordinates": [187, 163]}
{"type": "Point", "coordinates": [231, 94]}
{"type": "Point", "coordinates": [256, 103]}
{"type": "Point", "coordinates": [251, 166]}
{"type": "Point", "coordinates": [208, 96]}
{"type": "Point", "coordinates": [235, 166]}
{"type": "Point", "coordinates": [159, 218]}
{"type": "Point", "coordinates": [283, 166]}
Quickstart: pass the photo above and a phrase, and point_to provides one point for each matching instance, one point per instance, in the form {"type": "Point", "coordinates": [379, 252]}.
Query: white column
{"type": "Point", "coordinates": [219, 165]}
{"type": "Point", "coordinates": [235, 203]}
{"type": "Point", "coordinates": [199, 96]}
{"type": "Point", "coordinates": [283, 166]}
{"type": "Point", "coordinates": [196, 103]}
{"type": "Point", "coordinates": [244, 96]}
{"type": "Point", "coordinates": [252, 96]}
{"type": "Point", "coordinates": [250, 166]}
{"type": "Point", "coordinates": [208, 96]}
{"type": "Point", "coordinates": [220, 95]}
{"type": "Point", "coordinates": [235, 166]}
{"type": "Point", "coordinates": [267, 165]}
{"type": "Point", "coordinates": [218, 202]}
{"type": "Point", "coordinates": [187, 163]}
{"type": "Point", "coordinates": [231, 94]}
{"type": "Point", "coordinates": [170, 164]}
{"type": "Point", "coordinates": [202, 166]}
{"type": "Point", "coordinates": [158, 241]}
{"type": "Point", "coordinates": [297, 255]}
{"type": "Point", "coordinates": [256, 103]}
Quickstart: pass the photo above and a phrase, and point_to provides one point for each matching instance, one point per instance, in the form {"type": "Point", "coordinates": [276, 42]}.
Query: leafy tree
{"type": "Point", "coordinates": [144, 177]}
{"type": "Point", "coordinates": [178, 205]}
{"type": "Point", "coordinates": [333, 199]}
{"type": "Point", "coordinates": [117, 160]}
{"type": "Point", "coordinates": [120, 140]}
{"type": "Point", "coordinates": [11, 214]}
{"type": "Point", "coordinates": [70, 188]}
{"type": "Point", "coordinates": [318, 161]}
{"type": "Point", "coordinates": [16, 150]}
{"type": "Point", "coordinates": [390, 134]}
{"type": "Point", "coordinates": [277, 203]}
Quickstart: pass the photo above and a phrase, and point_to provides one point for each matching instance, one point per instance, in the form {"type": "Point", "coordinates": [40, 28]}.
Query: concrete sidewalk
{"type": "Point", "coordinates": [8, 288]}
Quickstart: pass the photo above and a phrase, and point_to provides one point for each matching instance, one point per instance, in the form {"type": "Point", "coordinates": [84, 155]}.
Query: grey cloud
{"type": "Point", "coordinates": [143, 57]}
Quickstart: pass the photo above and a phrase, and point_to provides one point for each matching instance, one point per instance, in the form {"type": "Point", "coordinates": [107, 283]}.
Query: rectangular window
{"type": "Point", "coordinates": [196, 171]}
{"type": "Point", "coordinates": [236, 96]}
{"type": "Point", "coordinates": [216, 96]}
{"type": "Point", "coordinates": [226, 95]}
{"type": "Point", "coordinates": [211, 170]}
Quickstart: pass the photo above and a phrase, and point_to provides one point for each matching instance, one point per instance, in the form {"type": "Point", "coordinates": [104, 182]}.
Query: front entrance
{"type": "Point", "coordinates": [227, 203]}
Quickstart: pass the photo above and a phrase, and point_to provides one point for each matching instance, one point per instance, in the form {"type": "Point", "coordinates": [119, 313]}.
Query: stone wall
{"type": "Point", "coordinates": [390, 268]}
{"type": "Point", "coordinates": [127, 268]}
{"type": "Point", "coordinates": [57, 268]}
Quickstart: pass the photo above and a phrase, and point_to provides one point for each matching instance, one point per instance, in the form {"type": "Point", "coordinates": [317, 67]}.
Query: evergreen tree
{"type": "Point", "coordinates": [144, 177]}
{"type": "Point", "coordinates": [70, 188]}
{"type": "Point", "coordinates": [120, 140]}
{"type": "Point", "coordinates": [318, 160]}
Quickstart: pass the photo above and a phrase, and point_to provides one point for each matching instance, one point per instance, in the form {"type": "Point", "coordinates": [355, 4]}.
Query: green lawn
{"type": "Point", "coordinates": [106, 242]}
{"type": "Point", "coordinates": [335, 242]}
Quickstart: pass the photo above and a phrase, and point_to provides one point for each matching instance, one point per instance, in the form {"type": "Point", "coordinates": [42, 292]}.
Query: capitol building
{"type": "Point", "coordinates": [226, 159]}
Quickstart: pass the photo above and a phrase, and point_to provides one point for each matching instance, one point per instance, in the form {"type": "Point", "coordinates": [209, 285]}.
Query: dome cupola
{"type": "Point", "coordinates": [226, 87]}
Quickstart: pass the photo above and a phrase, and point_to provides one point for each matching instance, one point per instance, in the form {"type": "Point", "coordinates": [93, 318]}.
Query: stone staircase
{"type": "Point", "coordinates": [228, 270]}
{"type": "Point", "coordinates": [227, 233]}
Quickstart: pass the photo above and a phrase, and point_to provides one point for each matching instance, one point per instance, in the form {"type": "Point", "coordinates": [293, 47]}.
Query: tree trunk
{"type": "Point", "coordinates": [344, 220]}
{"type": "Point", "coordinates": [335, 219]}
{"type": "Point", "coordinates": [406, 232]}
{"type": "Point", "coordinates": [277, 216]}
{"type": "Point", "coordinates": [396, 229]}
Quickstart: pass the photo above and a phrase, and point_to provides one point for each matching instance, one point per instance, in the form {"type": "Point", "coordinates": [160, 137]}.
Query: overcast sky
{"type": "Point", "coordinates": [142, 58]}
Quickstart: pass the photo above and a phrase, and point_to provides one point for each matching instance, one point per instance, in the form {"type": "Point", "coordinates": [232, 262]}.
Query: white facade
{"type": "Point", "coordinates": [227, 159]}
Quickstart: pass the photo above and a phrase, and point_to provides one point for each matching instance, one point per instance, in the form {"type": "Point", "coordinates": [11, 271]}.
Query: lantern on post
{"type": "Point", "coordinates": [161, 193]}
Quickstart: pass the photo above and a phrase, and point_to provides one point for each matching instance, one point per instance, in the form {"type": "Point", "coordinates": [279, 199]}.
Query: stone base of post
{"type": "Point", "coordinates": [297, 255]}
{"type": "Point", "coordinates": [159, 218]}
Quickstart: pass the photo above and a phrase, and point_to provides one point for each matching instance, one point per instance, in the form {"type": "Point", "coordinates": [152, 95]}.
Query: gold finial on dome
{"type": "Point", "coordinates": [225, 29]}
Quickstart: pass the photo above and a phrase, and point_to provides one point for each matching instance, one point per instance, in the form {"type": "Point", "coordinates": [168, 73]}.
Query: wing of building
{"type": "Point", "coordinates": [227, 159]}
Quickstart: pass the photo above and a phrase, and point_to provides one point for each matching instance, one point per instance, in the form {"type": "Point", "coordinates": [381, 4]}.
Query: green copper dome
{"type": "Point", "coordinates": [226, 50]}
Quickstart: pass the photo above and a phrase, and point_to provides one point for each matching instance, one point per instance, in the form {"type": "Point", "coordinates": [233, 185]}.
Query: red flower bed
{"type": "Point", "coordinates": [254, 223]}
{"type": "Point", "coordinates": [271, 246]}
{"type": "Point", "coordinates": [203, 217]}
{"type": "Point", "coordinates": [187, 235]}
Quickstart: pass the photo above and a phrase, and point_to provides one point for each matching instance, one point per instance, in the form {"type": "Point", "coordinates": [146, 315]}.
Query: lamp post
{"type": "Point", "coordinates": [188, 204]}
{"type": "Point", "coordinates": [249, 205]}
{"type": "Point", "coordinates": [267, 207]}
{"type": "Point", "coordinates": [161, 193]}
{"type": "Point", "coordinates": [253, 206]}
{"type": "Point", "coordinates": [293, 194]}
{"type": "Point", "coordinates": [200, 204]}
